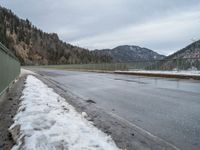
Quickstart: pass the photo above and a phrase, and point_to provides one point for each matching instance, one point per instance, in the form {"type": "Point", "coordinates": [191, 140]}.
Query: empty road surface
{"type": "Point", "coordinates": [167, 108]}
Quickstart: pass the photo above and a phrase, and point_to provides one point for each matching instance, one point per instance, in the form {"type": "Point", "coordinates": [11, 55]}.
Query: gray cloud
{"type": "Point", "coordinates": [161, 25]}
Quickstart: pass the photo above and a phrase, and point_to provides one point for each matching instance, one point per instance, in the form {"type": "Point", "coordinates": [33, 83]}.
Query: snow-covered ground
{"type": "Point", "coordinates": [45, 121]}
{"type": "Point", "coordinates": [181, 72]}
{"type": "Point", "coordinates": [25, 72]}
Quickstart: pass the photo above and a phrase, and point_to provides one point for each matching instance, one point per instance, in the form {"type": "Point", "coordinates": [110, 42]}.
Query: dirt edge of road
{"type": "Point", "coordinates": [8, 108]}
{"type": "Point", "coordinates": [162, 75]}
{"type": "Point", "coordinates": [126, 135]}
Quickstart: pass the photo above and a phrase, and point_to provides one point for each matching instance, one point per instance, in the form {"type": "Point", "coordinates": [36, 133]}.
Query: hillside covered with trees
{"type": "Point", "coordinates": [32, 46]}
{"type": "Point", "coordinates": [187, 58]}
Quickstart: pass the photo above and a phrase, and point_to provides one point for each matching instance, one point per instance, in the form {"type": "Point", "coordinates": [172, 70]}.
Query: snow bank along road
{"type": "Point", "coordinates": [168, 74]}
{"type": "Point", "coordinates": [45, 121]}
{"type": "Point", "coordinates": [167, 108]}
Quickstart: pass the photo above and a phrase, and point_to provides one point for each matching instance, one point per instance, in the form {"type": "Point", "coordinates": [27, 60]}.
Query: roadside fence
{"type": "Point", "coordinates": [9, 68]}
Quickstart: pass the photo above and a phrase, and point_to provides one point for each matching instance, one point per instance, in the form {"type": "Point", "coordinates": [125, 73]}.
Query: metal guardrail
{"type": "Point", "coordinates": [9, 68]}
{"type": "Point", "coordinates": [7, 51]}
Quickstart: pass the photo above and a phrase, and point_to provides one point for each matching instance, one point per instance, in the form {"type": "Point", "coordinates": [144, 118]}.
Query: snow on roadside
{"type": "Point", "coordinates": [45, 121]}
{"type": "Point", "coordinates": [181, 72]}
{"type": "Point", "coordinates": [25, 72]}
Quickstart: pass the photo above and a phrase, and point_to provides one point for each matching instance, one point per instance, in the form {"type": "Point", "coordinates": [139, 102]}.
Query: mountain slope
{"type": "Point", "coordinates": [33, 46]}
{"type": "Point", "coordinates": [190, 51]}
{"type": "Point", "coordinates": [128, 53]}
{"type": "Point", "coordinates": [186, 58]}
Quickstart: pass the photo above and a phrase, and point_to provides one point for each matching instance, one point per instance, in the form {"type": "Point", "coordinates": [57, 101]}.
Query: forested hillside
{"type": "Point", "coordinates": [184, 59]}
{"type": "Point", "coordinates": [34, 47]}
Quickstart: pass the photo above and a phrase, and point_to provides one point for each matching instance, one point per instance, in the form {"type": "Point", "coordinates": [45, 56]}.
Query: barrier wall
{"type": "Point", "coordinates": [9, 68]}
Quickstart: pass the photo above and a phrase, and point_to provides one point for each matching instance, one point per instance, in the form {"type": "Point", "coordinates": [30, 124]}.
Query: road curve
{"type": "Point", "coordinates": [166, 108]}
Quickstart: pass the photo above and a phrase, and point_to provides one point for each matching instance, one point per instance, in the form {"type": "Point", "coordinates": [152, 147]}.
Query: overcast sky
{"type": "Point", "coordinates": [161, 25]}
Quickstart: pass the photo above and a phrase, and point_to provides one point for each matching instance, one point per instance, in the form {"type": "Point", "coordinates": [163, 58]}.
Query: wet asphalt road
{"type": "Point", "coordinates": [167, 108]}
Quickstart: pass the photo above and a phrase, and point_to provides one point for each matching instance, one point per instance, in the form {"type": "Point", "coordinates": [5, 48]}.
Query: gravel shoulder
{"type": "Point", "coordinates": [9, 104]}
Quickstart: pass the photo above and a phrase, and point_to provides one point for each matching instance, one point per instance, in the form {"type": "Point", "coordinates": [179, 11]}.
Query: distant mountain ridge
{"type": "Point", "coordinates": [128, 53]}
{"type": "Point", "coordinates": [184, 59]}
{"type": "Point", "coordinates": [35, 47]}
{"type": "Point", "coordinates": [190, 51]}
